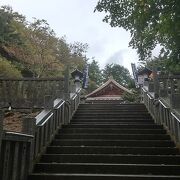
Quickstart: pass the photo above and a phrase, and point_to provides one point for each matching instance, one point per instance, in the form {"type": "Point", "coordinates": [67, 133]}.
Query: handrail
{"type": "Point", "coordinates": [21, 137]}
{"type": "Point", "coordinates": [29, 148]}
{"type": "Point", "coordinates": [58, 103]}
{"type": "Point", "coordinates": [150, 97]}
{"type": "Point", "coordinates": [74, 96]}
{"type": "Point", "coordinates": [42, 124]}
{"type": "Point", "coordinates": [42, 116]}
{"type": "Point", "coordinates": [163, 104]}
{"type": "Point", "coordinates": [163, 115]}
{"type": "Point", "coordinates": [178, 119]}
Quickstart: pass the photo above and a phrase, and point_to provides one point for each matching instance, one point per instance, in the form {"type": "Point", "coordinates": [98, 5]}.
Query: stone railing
{"type": "Point", "coordinates": [19, 151]}
{"type": "Point", "coordinates": [162, 99]}
{"type": "Point", "coordinates": [169, 89]}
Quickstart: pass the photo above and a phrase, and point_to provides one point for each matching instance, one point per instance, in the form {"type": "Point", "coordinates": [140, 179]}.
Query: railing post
{"type": "Point", "coordinates": [156, 83]}
{"type": "Point", "coordinates": [29, 127]}
{"type": "Point", "coordinates": [29, 124]}
{"type": "Point", "coordinates": [66, 84]}
{"type": "Point", "coordinates": [175, 93]}
{"type": "Point", "coordinates": [1, 127]}
{"type": "Point", "coordinates": [48, 102]}
{"type": "Point", "coordinates": [163, 87]}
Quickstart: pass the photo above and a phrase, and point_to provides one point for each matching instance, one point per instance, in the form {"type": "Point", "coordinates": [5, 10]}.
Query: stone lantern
{"type": "Point", "coordinates": [77, 76]}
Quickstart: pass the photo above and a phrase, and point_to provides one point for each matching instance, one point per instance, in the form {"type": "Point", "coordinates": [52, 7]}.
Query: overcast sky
{"type": "Point", "coordinates": [76, 20]}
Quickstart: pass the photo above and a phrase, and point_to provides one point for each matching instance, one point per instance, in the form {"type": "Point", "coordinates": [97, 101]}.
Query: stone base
{"type": "Point", "coordinates": [151, 87]}
{"type": "Point", "coordinates": [175, 100]}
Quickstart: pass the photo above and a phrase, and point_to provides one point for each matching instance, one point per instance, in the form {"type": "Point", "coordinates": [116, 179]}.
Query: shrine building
{"type": "Point", "coordinates": [109, 91]}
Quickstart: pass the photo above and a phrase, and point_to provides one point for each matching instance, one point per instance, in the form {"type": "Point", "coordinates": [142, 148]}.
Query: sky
{"type": "Point", "coordinates": [76, 20]}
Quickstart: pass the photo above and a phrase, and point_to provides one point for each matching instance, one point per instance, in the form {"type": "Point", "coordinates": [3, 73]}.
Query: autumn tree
{"type": "Point", "coordinates": [34, 49]}
{"type": "Point", "coordinates": [78, 52]}
{"type": "Point", "coordinates": [7, 69]}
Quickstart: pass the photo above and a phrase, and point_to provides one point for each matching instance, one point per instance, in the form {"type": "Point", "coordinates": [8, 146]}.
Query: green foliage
{"type": "Point", "coordinates": [95, 73]}
{"type": "Point", "coordinates": [34, 48]}
{"type": "Point", "coordinates": [164, 65]}
{"type": "Point", "coordinates": [78, 49]}
{"type": "Point", "coordinates": [8, 70]}
{"type": "Point", "coordinates": [135, 97]}
{"type": "Point", "coordinates": [91, 86]}
{"type": "Point", "coordinates": [8, 33]}
{"type": "Point", "coordinates": [119, 73]}
{"type": "Point", "coordinates": [150, 22]}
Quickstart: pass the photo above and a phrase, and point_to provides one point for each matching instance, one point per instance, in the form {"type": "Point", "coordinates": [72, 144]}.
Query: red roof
{"type": "Point", "coordinates": [109, 90]}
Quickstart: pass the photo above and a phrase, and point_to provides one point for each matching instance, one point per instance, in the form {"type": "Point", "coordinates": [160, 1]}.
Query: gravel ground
{"type": "Point", "coordinates": [13, 121]}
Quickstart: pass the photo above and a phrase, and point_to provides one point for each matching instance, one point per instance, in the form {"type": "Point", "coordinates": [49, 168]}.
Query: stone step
{"type": "Point", "coordinates": [111, 118]}
{"type": "Point", "coordinates": [114, 136]}
{"type": "Point", "coordinates": [88, 176]}
{"type": "Point", "coordinates": [112, 115]}
{"type": "Point", "coordinates": [113, 105]}
{"type": "Point", "coordinates": [74, 122]}
{"type": "Point", "coordinates": [122, 126]}
{"type": "Point", "coordinates": [111, 108]}
{"type": "Point", "coordinates": [111, 158]}
{"type": "Point", "coordinates": [112, 150]}
{"type": "Point", "coordinates": [96, 111]}
{"type": "Point", "coordinates": [102, 142]}
{"type": "Point", "coordinates": [112, 131]}
{"type": "Point", "coordinates": [100, 168]}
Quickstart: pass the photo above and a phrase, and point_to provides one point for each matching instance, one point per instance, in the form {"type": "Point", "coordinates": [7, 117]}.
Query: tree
{"type": "Point", "coordinates": [8, 33]}
{"type": "Point", "coordinates": [78, 55]}
{"type": "Point", "coordinates": [162, 65]}
{"type": "Point", "coordinates": [95, 73]}
{"type": "Point", "coordinates": [34, 49]}
{"type": "Point", "coordinates": [7, 69]}
{"type": "Point", "coordinates": [150, 22]}
{"type": "Point", "coordinates": [78, 49]}
{"type": "Point", "coordinates": [119, 73]}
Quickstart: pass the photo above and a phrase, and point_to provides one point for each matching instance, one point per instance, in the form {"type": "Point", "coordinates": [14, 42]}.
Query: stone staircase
{"type": "Point", "coordinates": [110, 141]}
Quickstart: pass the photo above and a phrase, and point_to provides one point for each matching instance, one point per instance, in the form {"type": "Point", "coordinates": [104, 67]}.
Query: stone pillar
{"type": "Point", "coordinates": [73, 88]}
{"type": "Point", "coordinates": [48, 102]}
{"type": "Point", "coordinates": [66, 84]}
{"type": "Point", "coordinates": [175, 100]}
{"type": "Point", "coordinates": [29, 127]}
{"type": "Point", "coordinates": [77, 76]}
{"type": "Point", "coordinates": [175, 93]}
{"type": "Point", "coordinates": [146, 82]}
{"type": "Point", "coordinates": [156, 83]}
{"type": "Point", "coordinates": [77, 83]}
{"type": "Point", "coordinates": [1, 127]}
{"type": "Point", "coordinates": [163, 88]}
{"type": "Point", "coordinates": [151, 86]}
{"type": "Point", "coordinates": [29, 124]}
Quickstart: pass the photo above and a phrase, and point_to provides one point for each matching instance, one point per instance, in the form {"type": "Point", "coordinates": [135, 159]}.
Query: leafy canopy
{"type": "Point", "coordinates": [119, 73]}
{"type": "Point", "coordinates": [150, 22]}
{"type": "Point", "coordinates": [33, 47]}
{"type": "Point", "coordinates": [95, 73]}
